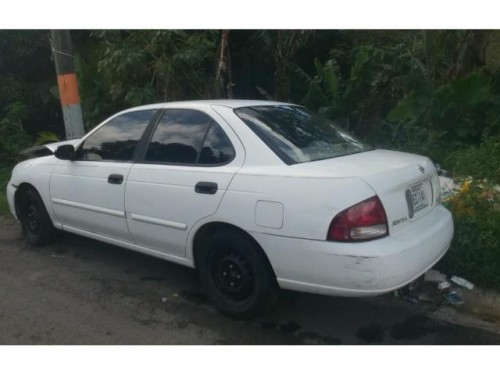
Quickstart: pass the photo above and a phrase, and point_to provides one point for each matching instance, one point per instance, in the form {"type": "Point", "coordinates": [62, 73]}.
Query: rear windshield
{"type": "Point", "coordinates": [297, 135]}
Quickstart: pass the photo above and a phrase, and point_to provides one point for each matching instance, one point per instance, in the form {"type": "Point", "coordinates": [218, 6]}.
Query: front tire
{"type": "Point", "coordinates": [236, 275]}
{"type": "Point", "coordinates": [35, 221]}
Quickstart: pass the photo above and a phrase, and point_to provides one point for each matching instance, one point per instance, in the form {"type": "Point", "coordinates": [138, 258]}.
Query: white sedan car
{"type": "Point", "coordinates": [255, 195]}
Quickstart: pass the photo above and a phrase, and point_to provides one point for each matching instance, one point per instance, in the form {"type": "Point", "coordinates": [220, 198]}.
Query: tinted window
{"type": "Point", "coordinates": [217, 148]}
{"type": "Point", "coordinates": [117, 139]}
{"type": "Point", "coordinates": [297, 135]}
{"type": "Point", "coordinates": [178, 137]}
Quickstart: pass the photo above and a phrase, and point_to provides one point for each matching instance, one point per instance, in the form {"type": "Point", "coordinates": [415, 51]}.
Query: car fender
{"type": "Point", "coordinates": [36, 172]}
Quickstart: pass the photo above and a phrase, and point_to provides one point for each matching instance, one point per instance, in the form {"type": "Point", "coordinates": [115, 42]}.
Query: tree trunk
{"type": "Point", "coordinates": [471, 53]}
{"type": "Point", "coordinates": [287, 44]}
{"type": "Point", "coordinates": [223, 77]}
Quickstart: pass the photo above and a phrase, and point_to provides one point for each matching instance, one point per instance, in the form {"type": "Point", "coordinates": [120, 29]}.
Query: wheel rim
{"type": "Point", "coordinates": [233, 275]}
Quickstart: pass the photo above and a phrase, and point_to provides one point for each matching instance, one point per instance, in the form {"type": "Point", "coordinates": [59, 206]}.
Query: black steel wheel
{"type": "Point", "coordinates": [35, 221]}
{"type": "Point", "coordinates": [232, 274]}
{"type": "Point", "coordinates": [236, 275]}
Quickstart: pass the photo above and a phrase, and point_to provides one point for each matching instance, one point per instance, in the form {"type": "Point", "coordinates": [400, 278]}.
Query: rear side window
{"type": "Point", "coordinates": [297, 135]}
{"type": "Point", "coordinates": [186, 136]}
{"type": "Point", "coordinates": [117, 139]}
{"type": "Point", "coordinates": [217, 148]}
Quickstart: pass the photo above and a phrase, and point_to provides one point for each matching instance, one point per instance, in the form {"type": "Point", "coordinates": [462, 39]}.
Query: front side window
{"type": "Point", "coordinates": [297, 135]}
{"type": "Point", "coordinates": [186, 136]}
{"type": "Point", "coordinates": [117, 139]}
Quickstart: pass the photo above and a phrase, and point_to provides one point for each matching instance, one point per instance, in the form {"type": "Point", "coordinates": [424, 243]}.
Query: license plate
{"type": "Point", "coordinates": [417, 198]}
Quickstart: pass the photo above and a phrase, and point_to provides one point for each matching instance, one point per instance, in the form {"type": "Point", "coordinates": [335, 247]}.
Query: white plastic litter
{"type": "Point", "coordinates": [443, 285]}
{"type": "Point", "coordinates": [434, 276]}
{"type": "Point", "coordinates": [448, 187]}
{"type": "Point", "coordinates": [462, 282]}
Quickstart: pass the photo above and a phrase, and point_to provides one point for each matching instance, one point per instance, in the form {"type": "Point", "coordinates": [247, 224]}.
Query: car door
{"type": "Point", "coordinates": [180, 178]}
{"type": "Point", "coordinates": [87, 193]}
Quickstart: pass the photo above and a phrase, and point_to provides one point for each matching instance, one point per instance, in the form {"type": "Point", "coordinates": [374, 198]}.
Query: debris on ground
{"type": "Point", "coordinates": [434, 276]}
{"type": "Point", "coordinates": [434, 287]}
{"type": "Point", "coordinates": [443, 285]}
{"type": "Point", "coordinates": [164, 299]}
{"type": "Point", "coordinates": [462, 282]}
{"type": "Point", "coordinates": [441, 171]}
{"type": "Point", "coordinates": [453, 298]}
{"type": "Point", "coordinates": [427, 294]}
{"type": "Point", "coordinates": [409, 292]}
{"type": "Point", "coordinates": [451, 187]}
{"type": "Point", "coordinates": [448, 187]}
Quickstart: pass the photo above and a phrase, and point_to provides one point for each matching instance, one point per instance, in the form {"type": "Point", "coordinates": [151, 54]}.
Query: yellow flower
{"type": "Point", "coordinates": [465, 186]}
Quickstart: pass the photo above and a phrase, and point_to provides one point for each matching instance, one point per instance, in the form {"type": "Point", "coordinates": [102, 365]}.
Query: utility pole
{"type": "Point", "coordinates": [67, 83]}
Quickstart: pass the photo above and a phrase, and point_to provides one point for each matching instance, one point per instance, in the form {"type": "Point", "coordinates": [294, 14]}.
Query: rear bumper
{"type": "Point", "coordinates": [360, 269]}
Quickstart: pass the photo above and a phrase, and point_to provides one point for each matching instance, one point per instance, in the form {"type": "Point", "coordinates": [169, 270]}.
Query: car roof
{"type": "Point", "coordinates": [231, 103]}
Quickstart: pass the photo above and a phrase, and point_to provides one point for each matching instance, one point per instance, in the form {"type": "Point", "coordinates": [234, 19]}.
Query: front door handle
{"type": "Point", "coordinates": [205, 187]}
{"type": "Point", "coordinates": [115, 179]}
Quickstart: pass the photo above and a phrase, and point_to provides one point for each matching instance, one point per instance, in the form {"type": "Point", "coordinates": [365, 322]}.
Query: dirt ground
{"type": "Point", "coordinates": [79, 291]}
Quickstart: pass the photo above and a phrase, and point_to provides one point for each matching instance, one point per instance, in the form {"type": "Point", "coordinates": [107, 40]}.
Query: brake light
{"type": "Point", "coordinates": [361, 222]}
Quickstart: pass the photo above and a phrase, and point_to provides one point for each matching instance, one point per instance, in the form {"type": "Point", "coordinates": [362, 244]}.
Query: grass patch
{"type": "Point", "coordinates": [481, 161]}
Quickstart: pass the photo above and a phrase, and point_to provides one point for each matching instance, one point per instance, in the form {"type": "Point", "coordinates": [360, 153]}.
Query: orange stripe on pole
{"type": "Point", "coordinates": [68, 89]}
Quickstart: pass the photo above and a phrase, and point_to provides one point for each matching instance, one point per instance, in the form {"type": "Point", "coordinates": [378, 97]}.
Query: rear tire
{"type": "Point", "coordinates": [236, 275]}
{"type": "Point", "coordinates": [35, 221]}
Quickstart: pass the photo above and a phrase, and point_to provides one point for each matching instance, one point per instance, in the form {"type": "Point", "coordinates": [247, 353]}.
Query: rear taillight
{"type": "Point", "coordinates": [361, 222]}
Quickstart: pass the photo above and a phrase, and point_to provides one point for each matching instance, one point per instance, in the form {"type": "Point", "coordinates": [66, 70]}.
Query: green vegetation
{"type": "Point", "coordinates": [4, 179]}
{"type": "Point", "coordinates": [430, 92]}
{"type": "Point", "coordinates": [13, 138]}
{"type": "Point", "coordinates": [475, 251]}
{"type": "Point", "coordinates": [481, 161]}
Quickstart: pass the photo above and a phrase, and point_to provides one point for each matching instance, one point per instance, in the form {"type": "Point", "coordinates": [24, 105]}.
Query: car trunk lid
{"type": "Point", "coordinates": [406, 184]}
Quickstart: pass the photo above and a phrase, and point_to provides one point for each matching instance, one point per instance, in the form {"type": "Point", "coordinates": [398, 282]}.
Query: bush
{"type": "Point", "coordinates": [13, 138]}
{"type": "Point", "coordinates": [480, 161]}
{"type": "Point", "coordinates": [475, 250]}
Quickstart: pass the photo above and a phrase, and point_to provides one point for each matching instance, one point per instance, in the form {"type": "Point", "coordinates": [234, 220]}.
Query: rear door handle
{"type": "Point", "coordinates": [115, 179]}
{"type": "Point", "coordinates": [205, 187]}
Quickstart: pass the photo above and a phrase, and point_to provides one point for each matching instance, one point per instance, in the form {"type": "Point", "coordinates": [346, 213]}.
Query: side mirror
{"type": "Point", "coordinates": [65, 152]}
